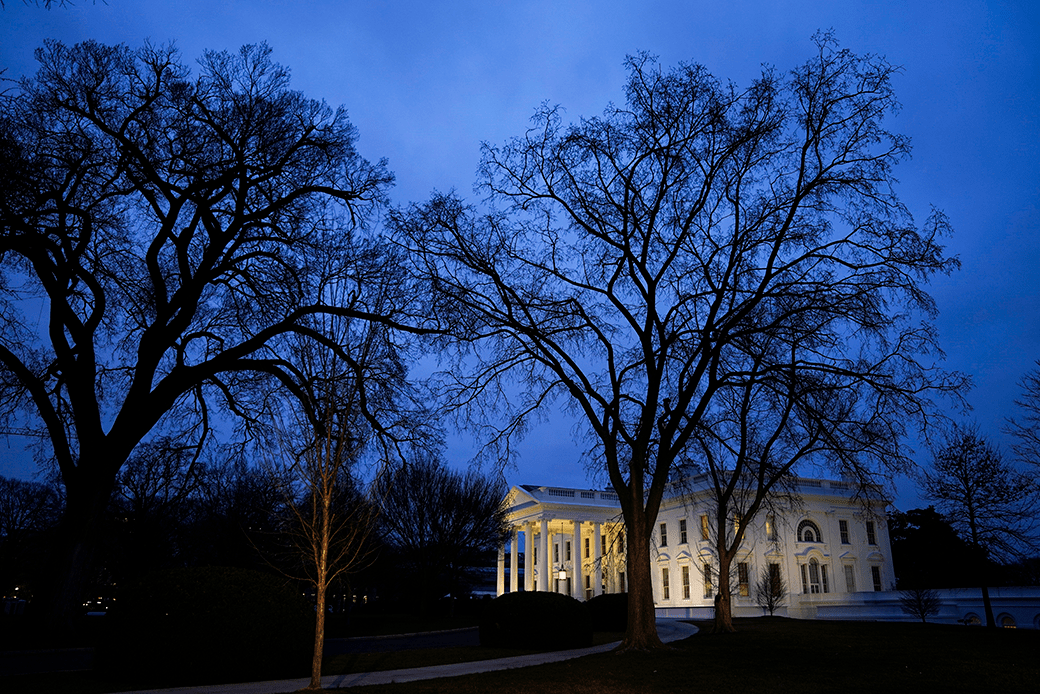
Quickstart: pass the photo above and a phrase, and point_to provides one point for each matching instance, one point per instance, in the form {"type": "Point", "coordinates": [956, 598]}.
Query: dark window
{"type": "Point", "coordinates": [843, 527]}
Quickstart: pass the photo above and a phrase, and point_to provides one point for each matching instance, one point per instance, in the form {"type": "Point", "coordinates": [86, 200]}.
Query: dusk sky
{"type": "Point", "coordinates": [426, 82]}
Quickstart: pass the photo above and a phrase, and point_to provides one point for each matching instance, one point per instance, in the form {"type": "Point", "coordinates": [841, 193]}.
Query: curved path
{"type": "Point", "coordinates": [668, 629]}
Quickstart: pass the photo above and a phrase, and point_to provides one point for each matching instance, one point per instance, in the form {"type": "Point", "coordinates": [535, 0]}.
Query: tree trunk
{"type": "Point", "coordinates": [641, 634]}
{"type": "Point", "coordinates": [723, 598]}
{"type": "Point", "coordinates": [991, 622]}
{"type": "Point", "coordinates": [72, 561]}
{"type": "Point", "coordinates": [319, 637]}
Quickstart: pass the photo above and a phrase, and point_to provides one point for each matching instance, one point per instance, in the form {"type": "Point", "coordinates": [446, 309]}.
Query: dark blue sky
{"type": "Point", "coordinates": [426, 82]}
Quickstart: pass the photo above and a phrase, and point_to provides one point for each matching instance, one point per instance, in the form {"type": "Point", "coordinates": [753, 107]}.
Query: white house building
{"type": "Point", "coordinates": [832, 551]}
{"type": "Point", "coordinates": [829, 548]}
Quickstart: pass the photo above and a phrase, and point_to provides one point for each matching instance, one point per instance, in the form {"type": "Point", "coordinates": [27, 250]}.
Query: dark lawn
{"type": "Point", "coordinates": [773, 655]}
{"type": "Point", "coordinates": [769, 655]}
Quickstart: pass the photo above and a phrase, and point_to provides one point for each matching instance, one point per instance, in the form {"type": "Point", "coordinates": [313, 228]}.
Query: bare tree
{"type": "Point", "coordinates": [771, 589]}
{"type": "Point", "coordinates": [694, 248]}
{"type": "Point", "coordinates": [1026, 428]}
{"type": "Point", "coordinates": [920, 602]}
{"type": "Point", "coordinates": [441, 522]}
{"type": "Point", "coordinates": [992, 506]}
{"type": "Point", "coordinates": [176, 231]}
{"type": "Point", "coordinates": [363, 399]}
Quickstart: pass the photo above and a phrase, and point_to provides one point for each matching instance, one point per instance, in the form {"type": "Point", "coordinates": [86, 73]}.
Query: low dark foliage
{"type": "Point", "coordinates": [535, 620]}
{"type": "Point", "coordinates": [213, 624]}
{"type": "Point", "coordinates": [609, 612]}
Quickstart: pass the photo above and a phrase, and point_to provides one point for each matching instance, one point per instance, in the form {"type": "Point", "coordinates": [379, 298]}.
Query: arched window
{"type": "Point", "coordinates": [1006, 621]}
{"type": "Point", "coordinates": [809, 532]}
{"type": "Point", "coordinates": [972, 620]}
{"type": "Point", "coordinates": [814, 577]}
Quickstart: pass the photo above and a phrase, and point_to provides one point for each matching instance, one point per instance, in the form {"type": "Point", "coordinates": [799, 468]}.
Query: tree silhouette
{"type": "Point", "coordinates": [174, 231]}
{"type": "Point", "coordinates": [699, 254]}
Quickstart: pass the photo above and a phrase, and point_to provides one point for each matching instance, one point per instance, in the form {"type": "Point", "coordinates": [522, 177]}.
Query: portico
{"type": "Point", "coordinates": [573, 542]}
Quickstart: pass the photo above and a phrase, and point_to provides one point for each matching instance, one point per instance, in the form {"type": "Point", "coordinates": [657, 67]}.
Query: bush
{"type": "Point", "coordinates": [535, 620]}
{"type": "Point", "coordinates": [609, 612]}
{"type": "Point", "coordinates": [212, 624]}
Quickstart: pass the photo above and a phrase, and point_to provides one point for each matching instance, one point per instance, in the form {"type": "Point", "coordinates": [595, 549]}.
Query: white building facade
{"type": "Point", "coordinates": [828, 548]}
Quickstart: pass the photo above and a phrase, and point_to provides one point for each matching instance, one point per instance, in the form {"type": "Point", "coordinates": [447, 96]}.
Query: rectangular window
{"type": "Point", "coordinates": [850, 579]}
{"type": "Point", "coordinates": [843, 528]}
{"type": "Point", "coordinates": [805, 579]}
{"type": "Point", "coordinates": [823, 577]}
{"type": "Point", "coordinates": [534, 555]}
{"type": "Point", "coordinates": [556, 552]}
{"type": "Point", "coordinates": [743, 584]}
{"type": "Point", "coordinates": [686, 582]}
{"type": "Point", "coordinates": [871, 536]}
{"type": "Point", "coordinates": [587, 543]}
{"type": "Point", "coordinates": [770, 528]}
{"type": "Point", "coordinates": [568, 550]}
{"type": "Point", "coordinates": [736, 526]}
{"type": "Point", "coordinates": [875, 573]}
{"type": "Point", "coordinates": [704, 527]}
{"type": "Point", "coordinates": [682, 531]}
{"type": "Point", "coordinates": [588, 587]}
{"type": "Point", "coordinates": [603, 545]}
{"type": "Point", "coordinates": [664, 584]}
{"type": "Point", "coordinates": [708, 589]}
{"type": "Point", "coordinates": [664, 534]}
{"type": "Point", "coordinates": [774, 578]}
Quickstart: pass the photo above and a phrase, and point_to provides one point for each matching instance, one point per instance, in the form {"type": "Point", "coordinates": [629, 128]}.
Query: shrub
{"type": "Point", "coordinates": [213, 624]}
{"type": "Point", "coordinates": [535, 620]}
{"type": "Point", "coordinates": [609, 612]}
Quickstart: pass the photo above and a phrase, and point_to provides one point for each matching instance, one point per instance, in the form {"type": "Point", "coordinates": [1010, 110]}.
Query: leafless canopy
{"type": "Point", "coordinates": [164, 239]}
{"type": "Point", "coordinates": [703, 266]}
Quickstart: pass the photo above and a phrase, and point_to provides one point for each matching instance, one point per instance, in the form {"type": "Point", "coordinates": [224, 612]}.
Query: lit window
{"type": "Point", "coordinates": [843, 527]}
{"type": "Point", "coordinates": [664, 584]}
{"type": "Point", "coordinates": [682, 531]}
{"type": "Point", "coordinates": [704, 527]}
{"type": "Point", "coordinates": [850, 578]}
{"type": "Point", "coordinates": [1008, 622]}
{"type": "Point", "coordinates": [770, 528]}
{"type": "Point", "coordinates": [664, 534]}
{"type": "Point", "coordinates": [875, 574]}
{"type": "Point", "coordinates": [871, 536]}
{"type": "Point", "coordinates": [742, 580]}
{"type": "Point", "coordinates": [736, 526]}
{"type": "Point", "coordinates": [809, 532]}
{"type": "Point", "coordinates": [686, 582]}
{"type": "Point", "coordinates": [708, 590]}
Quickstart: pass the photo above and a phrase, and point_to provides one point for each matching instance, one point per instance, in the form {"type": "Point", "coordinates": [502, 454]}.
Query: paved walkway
{"type": "Point", "coordinates": [667, 629]}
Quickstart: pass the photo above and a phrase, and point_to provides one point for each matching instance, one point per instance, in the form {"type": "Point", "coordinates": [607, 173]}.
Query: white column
{"type": "Point", "coordinates": [528, 557]}
{"type": "Point", "coordinates": [545, 565]}
{"type": "Point", "coordinates": [501, 587]}
{"type": "Point", "coordinates": [578, 584]}
{"type": "Point", "coordinates": [514, 564]}
{"type": "Point", "coordinates": [597, 571]}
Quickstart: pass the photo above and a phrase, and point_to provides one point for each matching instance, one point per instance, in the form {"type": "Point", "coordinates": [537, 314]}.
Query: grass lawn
{"type": "Point", "coordinates": [771, 655]}
{"type": "Point", "coordinates": [766, 655]}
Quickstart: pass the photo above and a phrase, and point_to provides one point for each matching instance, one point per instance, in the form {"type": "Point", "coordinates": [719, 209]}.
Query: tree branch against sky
{"type": "Point", "coordinates": [173, 232]}
{"type": "Point", "coordinates": [699, 242]}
